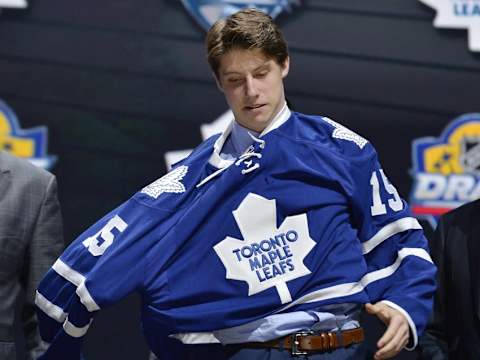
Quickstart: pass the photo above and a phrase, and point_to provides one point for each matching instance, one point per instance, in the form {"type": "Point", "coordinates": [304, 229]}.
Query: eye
{"type": "Point", "coordinates": [234, 80]}
{"type": "Point", "coordinates": [261, 74]}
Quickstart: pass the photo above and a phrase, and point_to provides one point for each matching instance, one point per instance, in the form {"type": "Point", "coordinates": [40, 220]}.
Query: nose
{"type": "Point", "coordinates": [251, 89]}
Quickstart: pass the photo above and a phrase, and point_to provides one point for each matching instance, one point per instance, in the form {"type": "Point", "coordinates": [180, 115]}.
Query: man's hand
{"type": "Point", "coordinates": [396, 336]}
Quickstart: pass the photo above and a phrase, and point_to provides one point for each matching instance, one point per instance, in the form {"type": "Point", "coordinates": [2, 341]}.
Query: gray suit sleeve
{"type": "Point", "coordinates": [46, 245]}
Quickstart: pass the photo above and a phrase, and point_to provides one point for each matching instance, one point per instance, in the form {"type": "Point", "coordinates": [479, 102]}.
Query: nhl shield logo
{"type": "Point", "coordinates": [470, 158]}
{"type": "Point", "coordinates": [206, 12]}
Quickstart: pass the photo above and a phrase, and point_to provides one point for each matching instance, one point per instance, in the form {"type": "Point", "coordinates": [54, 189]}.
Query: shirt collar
{"type": "Point", "coordinates": [241, 138]}
{"type": "Point", "coordinates": [281, 117]}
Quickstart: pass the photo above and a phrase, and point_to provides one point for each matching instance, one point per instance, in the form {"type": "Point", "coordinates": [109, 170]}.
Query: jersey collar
{"type": "Point", "coordinates": [282, 116]}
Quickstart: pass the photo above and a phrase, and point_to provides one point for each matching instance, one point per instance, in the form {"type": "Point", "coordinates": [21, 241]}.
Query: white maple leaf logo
{"type": "Point", "coordinates": [169, 183]}
{"type": "Point", "coordinates": [267, 257]}
{"type": "Point", "coordinates": [344, 133]}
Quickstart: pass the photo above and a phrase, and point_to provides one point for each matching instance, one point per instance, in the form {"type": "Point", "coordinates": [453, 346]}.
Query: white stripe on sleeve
{"type": "Point", "coordinates": [49, 308]}
{"type": "Point", "coordinates": [86, 298]}
{"type": "Point", "coordinates": [68, 273]}
{"type": "Point", "coordinates": [75, 331]}
{"type": "Point", "coordinates": [79, 281]}
{"type": "Point", "coordinates": [348, 289]}
{"type": "Point", "coordinates": [404, 224]}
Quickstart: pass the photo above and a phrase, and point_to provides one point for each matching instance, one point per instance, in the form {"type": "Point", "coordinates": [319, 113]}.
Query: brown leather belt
{"type": "Point", "coordinates": [301, 343]}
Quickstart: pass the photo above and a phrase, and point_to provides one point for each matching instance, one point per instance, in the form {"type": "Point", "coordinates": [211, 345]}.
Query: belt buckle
{"type": "Point", "coordinates": [295, 343]}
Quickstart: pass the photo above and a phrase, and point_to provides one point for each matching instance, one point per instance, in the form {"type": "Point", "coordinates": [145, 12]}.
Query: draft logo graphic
{"type": "Point", "coordinates": [458, 14]}
{"type": "Point", "coordinates": [206, 12]}
{"type": "Point", "coordinates": [446, 169]}
{"type": "Point", "coordinates": [25, 143]}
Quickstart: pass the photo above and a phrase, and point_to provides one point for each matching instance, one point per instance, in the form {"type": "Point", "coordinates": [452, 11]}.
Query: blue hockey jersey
{"type": "Point", "coordinates": [305, 218]}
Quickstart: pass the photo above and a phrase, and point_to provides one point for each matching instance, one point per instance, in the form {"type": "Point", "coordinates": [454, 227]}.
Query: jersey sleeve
{"type": "Point", "coordinates": [400, 272]}
{"type": "Point", "coordinates": [103, 265]}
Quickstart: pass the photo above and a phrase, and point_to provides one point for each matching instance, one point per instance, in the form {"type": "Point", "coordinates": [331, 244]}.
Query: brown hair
{"type": "Point", "coordinates": [245, 29]}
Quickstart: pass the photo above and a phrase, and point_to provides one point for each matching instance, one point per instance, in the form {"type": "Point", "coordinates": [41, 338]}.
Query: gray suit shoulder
{"type": "Point", "coordinates": [23, 173]}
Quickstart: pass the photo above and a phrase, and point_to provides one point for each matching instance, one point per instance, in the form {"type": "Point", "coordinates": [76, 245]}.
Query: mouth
{"type": "Point", "coordinates": [254, 107]}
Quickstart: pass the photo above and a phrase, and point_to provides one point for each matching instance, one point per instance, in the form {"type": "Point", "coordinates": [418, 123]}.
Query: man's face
{"type": "Point", "coordinates": [253, 86]}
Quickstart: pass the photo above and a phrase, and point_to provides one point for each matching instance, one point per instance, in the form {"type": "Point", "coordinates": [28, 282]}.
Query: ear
{"type": "Point", "coordinates": [219, 85]}
{"type": "Point", "coordinates": [286, 67]}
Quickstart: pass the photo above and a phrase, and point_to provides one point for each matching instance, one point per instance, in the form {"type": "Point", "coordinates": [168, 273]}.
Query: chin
{"type": "Point", "coordinates": [260, 121]}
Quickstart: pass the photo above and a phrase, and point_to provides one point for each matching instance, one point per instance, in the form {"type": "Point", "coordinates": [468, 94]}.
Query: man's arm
{"type": "Point", "coordinates": [400, 273]}
{"type": "Point", "coordinates": [400, 284]}
{"type": "Point", "coordinates": [44, 247]}
{"type": "Point", "coordinates": [103, 265]}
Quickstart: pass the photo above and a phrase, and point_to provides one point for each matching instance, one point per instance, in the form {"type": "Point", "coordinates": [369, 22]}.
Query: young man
{"type": "Point", "coordinates": [267, 239]}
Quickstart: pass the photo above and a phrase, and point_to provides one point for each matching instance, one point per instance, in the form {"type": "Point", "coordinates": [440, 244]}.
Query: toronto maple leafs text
{"type": "Point", "coordinates": [270, 257]}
